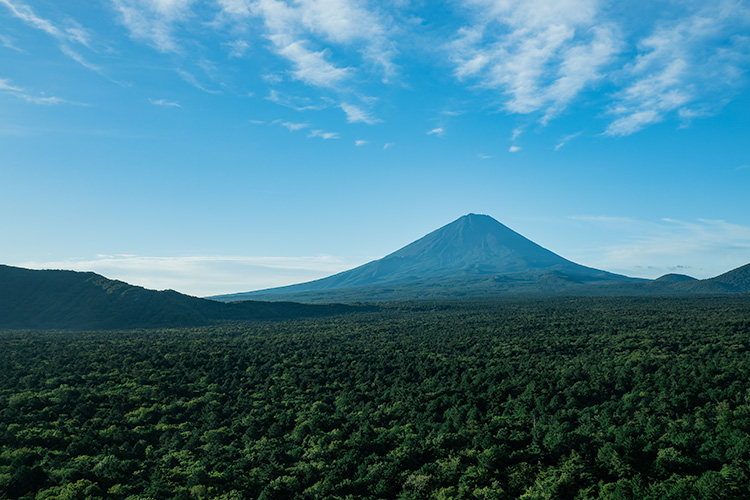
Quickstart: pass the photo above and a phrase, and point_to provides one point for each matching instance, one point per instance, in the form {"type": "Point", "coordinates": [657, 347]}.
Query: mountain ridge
{"type": "Point", "coordinates": [472, 248]}
{"type": "Point", "coordinates": [60, 299]}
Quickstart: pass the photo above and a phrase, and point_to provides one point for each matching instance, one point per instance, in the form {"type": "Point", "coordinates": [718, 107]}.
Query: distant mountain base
{"type": "Point", "coordinates": [545, 285]}
{"type": "Point", "coordinates": [477, 256]}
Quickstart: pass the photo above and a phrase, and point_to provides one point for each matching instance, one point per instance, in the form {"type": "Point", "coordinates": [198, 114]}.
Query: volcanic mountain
{"type": "Point", "coordinates": [473, 255]}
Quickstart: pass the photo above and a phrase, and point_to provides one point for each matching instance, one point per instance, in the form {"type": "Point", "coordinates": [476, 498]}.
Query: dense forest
{"type": "Point", "coordinates": [584, 398]}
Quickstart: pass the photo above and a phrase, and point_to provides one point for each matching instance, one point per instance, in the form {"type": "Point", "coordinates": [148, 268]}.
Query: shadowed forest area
{"type": "Point", "coordinates": [583, 398]}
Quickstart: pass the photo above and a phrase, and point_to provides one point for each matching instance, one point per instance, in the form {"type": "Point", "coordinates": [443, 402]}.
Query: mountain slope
{"type": "Point", "coordinates": [470, 256]}
{"type": "Point", "coordinates": [70, 299]}
{"type": "Point", "coordinates": [734, 281]}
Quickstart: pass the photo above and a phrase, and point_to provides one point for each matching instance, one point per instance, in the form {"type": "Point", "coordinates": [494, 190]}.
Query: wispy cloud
{"type": "Point", "coordinates": [153, 21]}
{"type": "Point", "coordinates": [46, 100]}
{"type": "Point", "coordinates": [514, 149]}
{"type": "Point", "coordinates": [310, 66]}
{"type": "Point", "coordinates": [539, 54]}
{"type": "Point", "coordinates": [538, 57]}
{"type": "Point", "coordinates": [80, 59]}
{"type": "Point", "coordinates": [164, 102]}
{"type": "Point", "coordinates": [26, 14]}
{"type": "Point", "coordinates": [566, 140]}
{"type": "Point", "coordinates": [297, 103]}
{"type": "Point", "coordinates": [323, 134]}
{"type": "Point", "coordinates": [303, 33]}
{"type": "Point", "coordinates": [388, 145]}
{"type": "Point", "coordinates": [8, 88]}
{"type": "Point", "coordinates": [681, 65]}
{"type": "Point", "coordinates": [291, 126]}
{"type": "Point", "coordinates": [192, 80]}
{"type": "Point", "coordinates": [355, 114]}
{"type": "Point", "coordinates": [296, 126]}
{"type": "Point", "coordinates": [9, 43]}
{"type": "Point", "coordinates": [237, 9]}
{"type": "Point", "coordinates": [74, 34]}
{"type": "Point", "coordinates": [439, 131]}
{"type": "Point", "coordinates": [238, 48]}
{"type": "Point", "coordinates": [360, 142]}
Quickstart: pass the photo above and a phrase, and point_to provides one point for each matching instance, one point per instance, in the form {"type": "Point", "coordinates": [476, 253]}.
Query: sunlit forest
{"type": "Point", "coordinates": [586, 398]}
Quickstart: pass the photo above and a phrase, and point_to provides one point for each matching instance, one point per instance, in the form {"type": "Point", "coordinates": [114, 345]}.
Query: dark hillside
{"type": "Point", "coordinates": [738, 279]}
{"type": "Point", "coordinates": [734, 281]}
{"type": "Point", "coordinates": [70, 299]}
{"type": "Point", "coordinates": [673, 278]}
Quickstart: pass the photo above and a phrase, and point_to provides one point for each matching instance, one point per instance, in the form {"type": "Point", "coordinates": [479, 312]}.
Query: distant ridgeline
{"type": "Point", "coordinates": [69, 299]}
{"type": "Point", "coordinates": [472, 257]}
{"type": "Point", "coordinates": [477, 256]}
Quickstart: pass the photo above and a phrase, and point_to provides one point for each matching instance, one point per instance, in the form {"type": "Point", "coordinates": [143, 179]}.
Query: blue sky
{"type": "Point", "coordinates": [231, 145]}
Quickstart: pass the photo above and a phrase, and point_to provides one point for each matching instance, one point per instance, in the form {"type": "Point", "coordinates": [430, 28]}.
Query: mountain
{"type": "Point", "coordinates": [70, 299]}
{"type": "Point", "coordinates": [473, 255]}
{"type": "Point", "coordinates": [734, 281]}
{"type": "Point", "coordinates": [674, 278]}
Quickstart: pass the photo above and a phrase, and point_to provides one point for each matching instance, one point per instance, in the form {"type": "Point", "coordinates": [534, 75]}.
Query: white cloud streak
{"type": "Point", "coordinates": [312, 67]}
{"type": "Point", "coordinates": [153, 21]}
{"type": "Point", "coordinates": [238, 48]}
{"type": "Point", "coordinates": [323, 134]}
{"type": "Point", "coordinates": [27, 15]}
{"type": "Point", "coordinates": [675, 70]}
{"type": "Point", "coordinates": [165, 103]}
{"type": "Point", "coordinates": [439, 131]}
{"type": "Point", "coordinates": [305, 31]}
{"type": "Point", "coordinates": [293, 127]}
{"type": "Point", "coordinates": [80, 59]}
{"type": "Point", "coordinates": [566, 140]}
{"type": "Point", "coordinates": [72, 35]}
{"type": "Point", "coordinates": [297, 103]}
{"type": "Point", "coordinates": [192, 80]}
{"type": "Point", "coordinates": [9, 43]}
{"type": "Point", "coordinates": [355, 114]}
{"type": "Point", "coordinates": [8, 88]}
{"type": "Point", "coordinates": [540, 54]}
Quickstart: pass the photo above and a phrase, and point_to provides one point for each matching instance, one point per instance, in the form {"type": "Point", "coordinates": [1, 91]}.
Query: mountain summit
{"type": "Point", "coordinates": [464, 257]}
{"type": "Point", "coordinates": [478, 244]}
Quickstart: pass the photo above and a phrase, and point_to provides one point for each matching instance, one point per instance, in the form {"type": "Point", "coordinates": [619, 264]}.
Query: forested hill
{"type": "Point", "coordinates": [85, 300]}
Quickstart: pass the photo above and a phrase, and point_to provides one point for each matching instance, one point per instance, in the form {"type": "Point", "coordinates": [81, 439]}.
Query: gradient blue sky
{"type": "Point", "coordinates": [230, 145]}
